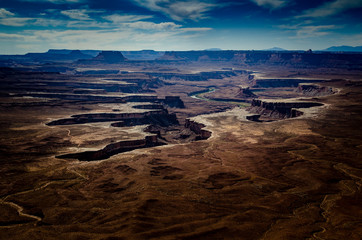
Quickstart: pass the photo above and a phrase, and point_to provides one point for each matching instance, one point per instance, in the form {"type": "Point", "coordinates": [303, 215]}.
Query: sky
{"type": "Point", "coordinates": [164, 25]}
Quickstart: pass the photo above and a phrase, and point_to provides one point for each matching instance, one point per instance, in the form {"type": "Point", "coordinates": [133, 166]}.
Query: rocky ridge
{"type": "Point", "coordinates": [251, 58]}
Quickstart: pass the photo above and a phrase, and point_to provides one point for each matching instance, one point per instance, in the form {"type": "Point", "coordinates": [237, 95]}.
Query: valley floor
{"type": "Point", "coordinates": [293, 178]}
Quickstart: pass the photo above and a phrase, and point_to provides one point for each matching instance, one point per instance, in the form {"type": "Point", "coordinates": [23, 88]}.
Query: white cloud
{"type": "Point", "coordinates": [314, 31]}
{"type": "Point", "coordinates": [84, 30]}
{"type": "Point", "coordinates": [78, 14]}
{"type": "Point", "coordinates": [272, 4]}
{"type": "Point", "coordinates": [309, 31]}
{"type": "Point", "coordinates": [180, 10]}
{"type": "Point", "coordinates": [164, 26]}
{"type": "Point", "coordinates": [79, 24]}
{"type": "Point", "coordinates": [124, 36]}
{"type": "Point", "coordinates": [47, 22]}
{"type": "Point", "coordinates": [5, 13]}
{"type": "Point", "coordinates": [199, 29]}
{"type": "Point", "coordinates": [116, 18]}
{"type": "Point", "coordinates": [56, 1]}
{"type": "Point", "coordinates": [11, 36]}
{"type": "Point", "coordinates": [21, 21]}
{"type": "Point", "coordinates": [15, 22]}
{"type": "Point", "coordinates": [331, 8]}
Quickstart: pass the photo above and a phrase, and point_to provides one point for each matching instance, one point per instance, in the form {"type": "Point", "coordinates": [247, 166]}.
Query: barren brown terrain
{"type": "Point", "coordinates": [113, 156]}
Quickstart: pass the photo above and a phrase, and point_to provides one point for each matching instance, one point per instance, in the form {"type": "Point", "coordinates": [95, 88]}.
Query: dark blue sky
{"type": "Point", "coordinates": [37, 25]}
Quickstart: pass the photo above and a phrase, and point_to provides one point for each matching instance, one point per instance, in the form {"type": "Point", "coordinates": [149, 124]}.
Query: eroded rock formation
{"type": "Point", "coordinates": [114, 148]}
{"type": "Point", "coordinates": [173, 101]}
{"type": "Point", "coordinates": [312, 90]}
{"type": "Point", "coordinates": [198, 129]}
{"type": "Point", "coordinates": [277, 110]}
{"type": "Point", "coordinates": [109, 57]}
{"type": "Point", "coordinates": [245, 93]}
{"type": "Point", "coordinates": [160, 128]}
{"type": "Point", "coordinates": [289, 58]}
{"type": "Point", "coordinates": [281, 82]}
{"type": "Point", "coordinates": [202, 76]}
{"type": "Point", "coordinates": [160, 117]}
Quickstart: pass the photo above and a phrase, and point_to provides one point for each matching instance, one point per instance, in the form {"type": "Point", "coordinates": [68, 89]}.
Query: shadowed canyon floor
{"type": "Point", "coordinates": [278, 178]}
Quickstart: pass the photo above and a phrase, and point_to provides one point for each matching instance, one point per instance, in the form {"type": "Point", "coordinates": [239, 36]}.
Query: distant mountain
{"type": "Point", "coordinates": [344, 49]}
{"type": "Point", "coordinates": [55, 56]}
{"type": "Point", "coordinates": [132, 55]}
{"type": "Point", "coordinates": [59, 51]}
{"type": "Point", "coordinates": [142, 55]}
{"type": "Point", "coordinates": [275, 49]}
{"type": "Point", "coordinates": [67, 51]}
{"type": "Point", "coordinates": [109, 57]}
{"type": "Point", "coordinates": [270, 58]}
{"type": "Point", "coordinates": [213, 49]}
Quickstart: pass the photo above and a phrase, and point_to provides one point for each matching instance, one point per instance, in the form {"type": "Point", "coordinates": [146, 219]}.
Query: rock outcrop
{"type": "Point", "coordinates": [52, 56]}
{"type": "Point", "coordinates": [142, 55]}
{"type": "Point", "coordinates": [277, 110]}
{"type": "Point", "coordinates": [159, 117]}
{"type": "Point", "coordinates": [312, 90]}
{"type": "Point", "coordinates": [245, 93]}
{"type": "Point", "coordinates": [110, 57]}
{"type": "Point", "coordinates": [173, 101]}
{"type": "Point", "coordinates": [114, 148]}
{"type": "Point", "coordinates": [198, 129]}
{"type": "Point", "coordinates": [202, 76]}
{"type": "Point", "coordinates": [281, 82]}
{"type": "Point", "coordinates": [289, 58]}
{"type": "Point", "coordinates": [106, 57]}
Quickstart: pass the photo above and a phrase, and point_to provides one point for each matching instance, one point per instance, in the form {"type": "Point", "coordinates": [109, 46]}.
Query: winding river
{"type": "Point", "coordinates": [200, 95]}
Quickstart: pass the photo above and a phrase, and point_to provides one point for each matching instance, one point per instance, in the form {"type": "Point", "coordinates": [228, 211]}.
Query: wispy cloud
{"type": "Point", "coordinates": [331, 8]}
{"type": "Point", "coordinates": [83, 26]}
{"type": "Point", "coordinates": [315, 31]}
{"type": "Point", "coordinates": [15, 22]}
{"type": "Point", "coordinates": [57, 1]}
{"type": "Point", "coordinates": [301, 31]}
{"type": "Point", "coordinates": [194, 10]}
{"type": "Point", "coordinates": [79, 14]}
{"type": "Point", "coordinates": [117, 18]}
{"type": "Point", "coordinates": [12, 36]}
{"type": "Point", "coordinates": [5, 13]}
{"type": "Point", "coordinates": [112, 39]}
{"type": "Point", "coordinates": [199, 29]}
{"type": "Point", "coordinates": [271, 4]}
{"type": "Point", "coordinates": [22, 21]}
{"type": "Point", "coordinates": [8, 18]}
{"type": "Point", "coordinates": [164, 26]}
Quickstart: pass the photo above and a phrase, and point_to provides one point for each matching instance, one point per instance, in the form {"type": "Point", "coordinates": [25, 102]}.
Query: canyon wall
{"type": "Point", "coordinates": [312, 90]}
{"type": "Point", "coordinates": [278, 110]}
{"type": "Point", "coordinates": [159, 117]}
{"type": "Point", "coordinates": [281, 82]}
{"type": "Point", "coordinates": [114, 148]}
{"type": "Point", "coordinates": [202, 76]}
{"type": "Point", "coordinates": [105, 57]}
{"type": "Point", "coordinates": [198, 129]}
{"type": "Point", "coordinates": [287, 58]}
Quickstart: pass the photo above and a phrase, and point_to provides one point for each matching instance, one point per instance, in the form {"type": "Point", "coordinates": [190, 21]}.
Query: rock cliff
{"type": "Point", "coordinates": [288, 58]}
{"type": "Point", "coordinates": [106, 57]}
{"type": "Point", "coordinates": [198, 129]}
{"type": "Point", "coordinates": [114, 148]}
{"type": "Point", "coordinates": [281, 82]}
{"type": "Point", "coordinates": [312, 90]}
{"type": "Point", "coordinates": [202, 76]}
{"type": "Point", "coordinates": [277, 110]}
{"type": "Point", "coordinates": [159, 117]}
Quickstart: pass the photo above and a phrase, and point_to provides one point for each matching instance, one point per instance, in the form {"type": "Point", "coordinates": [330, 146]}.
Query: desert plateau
{"type": "Point", "coordinates": [189, 145]}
